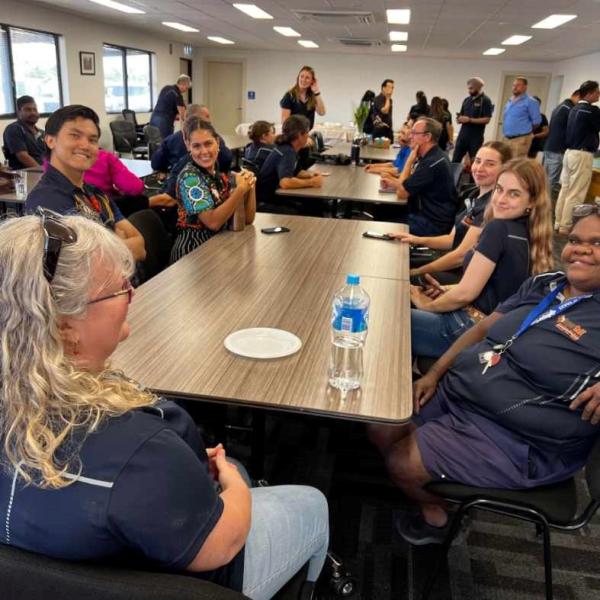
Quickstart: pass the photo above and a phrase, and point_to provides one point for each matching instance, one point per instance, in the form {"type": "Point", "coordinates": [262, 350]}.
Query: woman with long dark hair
{"type": "Point", "coordinates": [420, 109]}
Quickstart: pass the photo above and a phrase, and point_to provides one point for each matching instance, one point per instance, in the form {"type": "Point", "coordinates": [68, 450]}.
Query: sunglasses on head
{"type": "Point", "coordinates": [585, 210]}
{"type": "Point", "coordinates": [56, 233]}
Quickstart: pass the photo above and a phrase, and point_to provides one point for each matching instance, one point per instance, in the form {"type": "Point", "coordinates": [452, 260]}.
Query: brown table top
{"type": "Point", "coordinates": [236, 142]}
{"type": "Point", "coordinates": [366, 152]}
{"type": "Point", "coordinates": [236, 280]}
{"type": "Point", "coordinates": [346, 182]}
{"type": "Point", "coordinates": [33, 176]}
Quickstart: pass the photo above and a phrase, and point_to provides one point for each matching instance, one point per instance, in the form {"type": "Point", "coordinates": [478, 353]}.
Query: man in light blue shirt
{"type": "Point", "coordinates": [521, 115]}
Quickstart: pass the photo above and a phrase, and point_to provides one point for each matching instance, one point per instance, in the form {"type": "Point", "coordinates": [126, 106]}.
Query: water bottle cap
{"type": "Point", "coordinates": [352, 279]}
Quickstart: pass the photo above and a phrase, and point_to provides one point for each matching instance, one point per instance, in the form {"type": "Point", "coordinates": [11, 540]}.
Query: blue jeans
{"type": "Point", "coordinates": [433, 333]}
{"type": "Point", "coordinates": [290, 526]}
{"type": "Point", "coordinates": [553, 164]}
{"type": "Point", "coordinates": [164, 123]}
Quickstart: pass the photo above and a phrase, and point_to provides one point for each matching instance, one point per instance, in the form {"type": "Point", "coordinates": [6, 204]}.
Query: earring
{"type": "Point", "coordinates": [528, 210]}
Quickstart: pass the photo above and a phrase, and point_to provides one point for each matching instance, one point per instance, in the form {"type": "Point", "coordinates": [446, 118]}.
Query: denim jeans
{"type": "Point", "coordinates": [164, 123]}
{"type": "Point", "coordinates": [290, 526]}
{"type": "Point", "coordinates": [433, 333]}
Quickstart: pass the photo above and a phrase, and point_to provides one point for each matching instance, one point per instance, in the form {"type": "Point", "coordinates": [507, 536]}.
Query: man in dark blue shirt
{"type": "Point", "coordinates": [475, 113]}
{"type": "Point", "coordinates": [556, 143]}
{"type": "Point", "coordinates": [173, 147]}
{"type": "Point", "coordinates": [582, 137]}
{"type": "Point", "coordinates": [72, 135]}
{"type": "Point", "coordinates": [23, 141]}
{"type": "Point", "coordinates": [426, 182]}
{"type": "Point", "coordinates": [170, 103]}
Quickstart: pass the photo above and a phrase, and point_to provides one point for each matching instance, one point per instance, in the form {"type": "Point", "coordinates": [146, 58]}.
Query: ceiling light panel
{"type": "Point", "coordinates": [308, 44]}
{"type": "Point", "coordinates": [287, 31]}
{"type": "Point", "coordinates": [118, 6]}
{"type": "Point", "coordinates": [494, 51]}
{"type": "Point", "coordinates": [398, 36]}
{"type": "Point", "coordinates": [399, 47]}
{"type": "Point", "coordinates": [253, 11]}
{"type": "Point", "coordinates": [400, 16]}
{"type": "Point", "coordinates": [180, 26]}
{"type": "Point", "coordinates": [219, 39]}
{"type": "Point", "coordinates": [553, 21]}
{"type": "Point", "coordinates": [516, 40]}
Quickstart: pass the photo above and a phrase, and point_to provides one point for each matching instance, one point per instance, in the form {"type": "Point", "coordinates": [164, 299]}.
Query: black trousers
{"type": "Point", "coordinates": [466, 144]}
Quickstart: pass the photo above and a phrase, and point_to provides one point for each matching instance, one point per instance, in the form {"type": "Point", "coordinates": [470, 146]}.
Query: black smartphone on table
{"type": "Point", "coordinates": [377, 236]}
{"type": "Point", "coordinates": [274, 230]}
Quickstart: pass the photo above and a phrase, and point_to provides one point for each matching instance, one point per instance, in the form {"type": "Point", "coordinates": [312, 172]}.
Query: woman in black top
{"type": "Point", "coordinates": [444, 118]}
{"type": "Point", "coordinates": [420, 109]}
{"type": "Point", "coordinates": [304, 98]}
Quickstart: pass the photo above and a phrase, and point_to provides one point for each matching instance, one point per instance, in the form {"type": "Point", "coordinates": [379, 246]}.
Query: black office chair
{"type": "Point", "coordinates": [157, 239]}
{"type": "Point", "coordinates": [551, 506]}
{"type": "Point", "coordinates": [249, 165]}
{"type": "Point", "coordinates": [125, 139]}
{"type": "Point", "coordinates": [152, 138]}
{"type": "Point", "coordinates": [28, 576]}
{"type": "Point", "coordinates": [130, 115]}
{"type": "Point", "coordinates": [457, 170]}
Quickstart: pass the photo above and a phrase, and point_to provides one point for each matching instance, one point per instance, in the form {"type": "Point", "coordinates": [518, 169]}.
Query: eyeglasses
{"type": "Point", "coordinates": [127, 289]}
{"type": "Point", "coordinates": [419, 132]}
{"type": "Point", "coordinates": [585, 210]}
{"type": "Point", "coordinates": [56, 233]}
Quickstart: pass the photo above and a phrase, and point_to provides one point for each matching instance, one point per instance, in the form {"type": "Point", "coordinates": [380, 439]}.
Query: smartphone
{"type": "Point", "coordinates": [274, 229]}
{"type": "Point", "coordinates": [377, 236]}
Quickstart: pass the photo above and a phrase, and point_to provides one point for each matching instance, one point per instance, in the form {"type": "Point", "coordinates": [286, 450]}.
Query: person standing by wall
{"type": "Point", "coordinates": [382, 111]}
{"type": "Point", "coordinates": [521, 117]}
{"type": "Point", "coordinates": [170, 103]}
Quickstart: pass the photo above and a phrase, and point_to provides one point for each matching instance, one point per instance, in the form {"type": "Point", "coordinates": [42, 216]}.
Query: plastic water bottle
{"type": "Point", "coordinates": [349, 324]}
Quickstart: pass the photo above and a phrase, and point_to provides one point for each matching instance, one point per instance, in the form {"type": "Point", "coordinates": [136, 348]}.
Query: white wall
{"type": "Point", "coordinates": [81, 34]}
{"type": "Point", "coordinates": [577, 70]}
{"type": "Point", "coordinates": [344, 78]}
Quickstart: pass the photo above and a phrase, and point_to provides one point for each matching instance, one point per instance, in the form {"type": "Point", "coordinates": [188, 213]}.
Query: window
{"type": "Point", "coordinates": [127, 79]}
{"type": "Point", "coordinates": [29, 66]}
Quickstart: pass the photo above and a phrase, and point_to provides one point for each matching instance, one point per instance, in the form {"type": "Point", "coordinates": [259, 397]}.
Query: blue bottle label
{"type": "Point", "coordinates": [350, 320]}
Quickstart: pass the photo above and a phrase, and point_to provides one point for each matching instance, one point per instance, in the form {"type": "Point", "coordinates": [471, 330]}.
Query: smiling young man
{"type": "Point", "coordinates": [72, 135]}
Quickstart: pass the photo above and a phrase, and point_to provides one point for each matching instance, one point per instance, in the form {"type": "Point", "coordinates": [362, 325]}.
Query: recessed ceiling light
{"type": "Point", "coordinates": [399, 47]}
{"type": "Point", "coordinates": [180, 26]}
{"type": "Point", "coordinates": [219, 39]}
{"type": "Point", "coordinates": [400, 16]}
{"type": "Point", "coordinates": [553, 21]}
{"type": "Point", "coordinates": [494, 51]}
{"type": "Point", "coordinates": [253, 11]}
{"type": "Point", "coordinates": [308, 44]}
{"type": "Point", "coordinates": [515, 40]}
{"type": "Point", "coordinates": [398, 36]}
{"type": "Point", "coordinates": [118, 6]}
{"type": "Point", "coordinates": [287, 31]}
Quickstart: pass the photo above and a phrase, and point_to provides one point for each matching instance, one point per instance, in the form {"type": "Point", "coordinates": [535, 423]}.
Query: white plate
{"type": "Point", "coordinates": [263, 342]}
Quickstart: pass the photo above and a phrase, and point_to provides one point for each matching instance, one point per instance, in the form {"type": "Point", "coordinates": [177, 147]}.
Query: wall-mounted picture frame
{"type": "Point", "coordinates": [87, 63]}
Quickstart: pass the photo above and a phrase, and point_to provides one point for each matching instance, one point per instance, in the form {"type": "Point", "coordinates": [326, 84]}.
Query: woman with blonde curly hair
{"type": "Point", "coordinates": [516, 242]}
{"type": "Point", "coordinates": [95, 466]}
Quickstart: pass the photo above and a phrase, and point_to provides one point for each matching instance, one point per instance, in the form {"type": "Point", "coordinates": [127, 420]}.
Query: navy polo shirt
{"type": "Point", "coordinates": [475, 107]}
{"type": "Point", "coordinates": [379, 117]}
{"type": "Point", "coordinates": [583, 126]}
{"type": "Point", "coordinates": [56, 192]}
{"type": "Point", "coordinates": [172, 149]}
{"type": "Point", "coordinates": [257, 153]}
{"type": "Point", "coordinates": [142, 494]}
{"type": "Point", "coordinates": [169, 99]}
{"type": "Point", "coordinates": [529, 391]}
{"type": "Point", "coordinates": [431, 189]}
{"type": "Point", "coordinates": [557, 137]}
{"type": "Point", "coordinates": [281, 163]}
{"type": "Point", "coordinates": [521, 116]}
{"type": "Point", "coordinates": [297, 107]}
{"type": "Point", "coordinates": [506, 243]}
{"type": "Point", "coordinates": [18, 137]}
{"type": "Point", "coordinates": [471, 216]}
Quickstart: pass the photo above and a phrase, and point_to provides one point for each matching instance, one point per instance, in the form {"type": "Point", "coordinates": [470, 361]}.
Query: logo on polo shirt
{"type": "Point", "coordinates": [570, 329]}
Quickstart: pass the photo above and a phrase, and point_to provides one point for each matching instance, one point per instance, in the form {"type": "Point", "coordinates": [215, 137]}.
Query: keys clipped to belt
{"type": "Point", "coordinates": [492, 357]}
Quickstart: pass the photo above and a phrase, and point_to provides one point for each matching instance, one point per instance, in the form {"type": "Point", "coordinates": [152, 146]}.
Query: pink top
{"type": "Point", "coordinates": [112, 176]}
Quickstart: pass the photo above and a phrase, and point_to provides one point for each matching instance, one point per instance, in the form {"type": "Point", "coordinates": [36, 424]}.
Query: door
{"type": "Point", "coordinates": [224, 85]}
{"type": "Point", "coordinates": [185, 68]}
{"type": "Point", "coordinates": [538, 85]}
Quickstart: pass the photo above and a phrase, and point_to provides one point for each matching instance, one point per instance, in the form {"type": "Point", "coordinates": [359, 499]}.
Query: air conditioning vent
{"type": "Point", "coordinates": [336, 17]}
{"type": "Point", "coordinates": [360, 42]}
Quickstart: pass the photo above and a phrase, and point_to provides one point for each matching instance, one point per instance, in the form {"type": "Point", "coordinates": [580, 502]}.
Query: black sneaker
{"type": "Point", "coordinates": [415, 530]}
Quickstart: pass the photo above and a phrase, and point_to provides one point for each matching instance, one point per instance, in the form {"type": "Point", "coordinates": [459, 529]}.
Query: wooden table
{"type": "Point", "coordinates": [346, 182]}
{"type": "Point", "coordinates": [366, 152]}
{"type": "Point", "coordinates": [236, 280]}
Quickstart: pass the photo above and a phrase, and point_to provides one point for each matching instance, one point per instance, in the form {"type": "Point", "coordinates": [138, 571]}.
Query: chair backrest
{"type": "Point", "coordinates": [129, 115]}
{"type": "Point", "coordinates": [28, 576]}
{"type": "Point", "coordinates": [124, 137]}
{"type": "Point", "coordinates": [456, 169]}
{"type": "Point", "coordinates": [157, 239]}
{"type": "Point", "coordinates": [317, 136]}
{"type": "Point", "coordinates": [152, 134]}
{"type": "Point", "coordinates": [250, 166]}
{"type": "Point", "coordinates": [592, 471]}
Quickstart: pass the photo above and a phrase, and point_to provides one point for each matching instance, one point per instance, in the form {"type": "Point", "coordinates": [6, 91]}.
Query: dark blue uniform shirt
{"type": "Point", "coordinates": [18, 137]}
{"type": "Point", "coordinates": [583, 126]}
{"type": "Point", "coordinates": [557, 137]}
{"type": "Point", "coordinates": [257, 153]}
{"type": "Point", "coordinates": [56, 192]}
{"type": "Point", "coordinates": [297, 107]}
{"type": "Point", "coordinates": [475, 107]}
{"type": "Point", "coordinates": [144, 495]}
{"type": "Point", "coordinates": [472, 215]}
{"type": "Point", "coordinates": [280, 163]}
{"type": "Point", "coordinates": [431, 189]}
{"type": "Point", "coordinates": [169, 99]}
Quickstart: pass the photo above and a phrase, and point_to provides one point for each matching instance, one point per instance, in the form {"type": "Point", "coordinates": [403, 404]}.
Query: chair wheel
{"type": "Point", "coordinates": [343, 586]}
